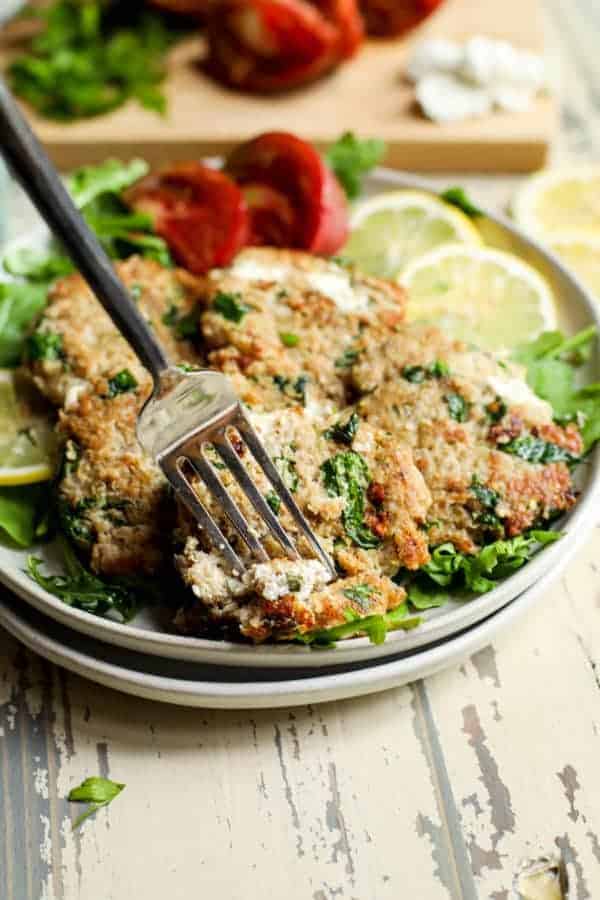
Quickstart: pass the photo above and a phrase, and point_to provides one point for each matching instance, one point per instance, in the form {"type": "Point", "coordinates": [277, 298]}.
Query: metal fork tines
{"type": "Point", "coordinates": [190, 456]}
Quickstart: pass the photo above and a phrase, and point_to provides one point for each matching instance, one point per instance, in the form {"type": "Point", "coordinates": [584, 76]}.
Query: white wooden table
{"type": "Point", "coordinates": [427, 792]}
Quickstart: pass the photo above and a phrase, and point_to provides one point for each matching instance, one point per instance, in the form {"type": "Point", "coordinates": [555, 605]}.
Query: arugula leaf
{"type": "Point", "coordinates": [344, 432]}
{"type": "Point", "coordinates": [35, 265]}
{"type": "Point", "coordinates": [22, 511]}
{"type": "Point", "coordinates": [347, 475]}
{"type": "Point", "coordinates": [457, 196]}
{"type": "Point", "coordinates": [551, 361]}
{"type": "Point", "coordinates": [96, 791]}
{"type": "Point", "coordinates": [375, 627]}
{"type": "Point", "coordinates": [110, 177]}
{"type": "Point", "coordinates": [230, 306]}
{"type": "Point", "coordinates": [92, 57]}
{"type": "Point", "coordinates": [83, 590]}
{"type": "Point", "coordinates": [480, 572]}
{"type": "Point", "coordinates": [351, 158]}
{"type": "Point", "coordinates": [19, 305]}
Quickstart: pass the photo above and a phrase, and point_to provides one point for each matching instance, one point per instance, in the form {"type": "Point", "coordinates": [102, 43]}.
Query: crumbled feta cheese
{"type": "Point", "coordinates": [75, 388]}
{"type": "Point", "coordinates": [456, 82]}
{"type": "Point", "coordinates": [435, 55]}
{"type": "Point", "coordinates": [444, 98]}
{"type": "Point", "coordinates": [284, 576]}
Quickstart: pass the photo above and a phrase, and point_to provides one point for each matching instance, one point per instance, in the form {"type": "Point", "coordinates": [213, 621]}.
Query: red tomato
{"type": "Point", "coordinates": [201, 213]}
{"type": "Point", "coordinates": [274, 45]}
{"type": "Point", "coordinates": [293, 197]}
{"type": "Point", "coordinates": [389, 18]}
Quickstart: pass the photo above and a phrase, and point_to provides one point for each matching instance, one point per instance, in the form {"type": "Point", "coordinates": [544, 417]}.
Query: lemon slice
{"type": "Point", "coordinates": [390, 230]}
{"type": "Point", "coordinates": [27, 442]}
{"type": "Point", "coordinates": [480, 295]}
{"type": "Point", "coordinates": [559, 199]}
{"type": "Point", "coordinates": [580, 251]}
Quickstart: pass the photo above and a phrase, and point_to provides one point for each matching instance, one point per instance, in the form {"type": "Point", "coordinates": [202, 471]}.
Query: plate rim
{"type": "Point", "coordinates": [580, 522]}
{"type": "Point", "coordinates": [353, 682]}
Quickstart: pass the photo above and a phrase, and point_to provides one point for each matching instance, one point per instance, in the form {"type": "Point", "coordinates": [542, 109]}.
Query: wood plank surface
{"type": "Point", "coordinates": [369, 95]}
{"type": "Point", "coordinates": [435, 791]}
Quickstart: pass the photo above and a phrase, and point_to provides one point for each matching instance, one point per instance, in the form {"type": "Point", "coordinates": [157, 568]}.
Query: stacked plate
{"type": "Point", "coordinates": [145, 659]}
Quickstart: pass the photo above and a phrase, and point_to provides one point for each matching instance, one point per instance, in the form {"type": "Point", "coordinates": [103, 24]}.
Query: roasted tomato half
{"type": "Point", "coordinates": [391, 18]}
{"type": "Point", "coordinates": [276, 45]}
{"type": "Point", "coordinates": [293, 198]}
{"type": "Point", "coordinates": [201, 213]}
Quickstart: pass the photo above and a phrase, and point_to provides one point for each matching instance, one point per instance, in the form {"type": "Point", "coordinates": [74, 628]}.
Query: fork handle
{"type": "Point", "coordinates": [40, 180]}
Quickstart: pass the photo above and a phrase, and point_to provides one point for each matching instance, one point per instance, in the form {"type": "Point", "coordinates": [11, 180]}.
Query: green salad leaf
{"type": "Point", "coordinates": [23, 513]}
{"type": "Point", "coordinates": [90, 58]}
{"type": "Point", "coordinates": [551, 361]}
{"type": "Point", "coordinates": [352, 158]}
{"type": "Point", "coordinates": [19, 304]}
{"type": "Point", "coordinates": [344, 432]}
{"type": "Point", "coordinates": [375, 627]}
{"type": "Point", "coordinates": [454, 571]}
{"type": "Point", "coordinates": [110, 177]}
{"type": "Point", "coordinates": [96, 791]}
{"type": "Point", "coordinates": [119, 597]}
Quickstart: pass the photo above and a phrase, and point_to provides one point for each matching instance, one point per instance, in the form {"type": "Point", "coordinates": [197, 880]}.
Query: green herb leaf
{"type": "Point", "coordinates": [288, 339]}
{"type": "Point", "coordinates": [536, 450]}
{"type": "Point", "coordinates": [347, 359]}
{"type": "Point", "coordinates": [96, 791]}
{"type": "Point", "coordinates": [19, 305]}
{"type": "Point", "coordinates": [496, 410]}
{"type": "Point", "coordinates": [347, 475]}
{"type": "Point", "coordinates": [274, 501]}
{"type": "Point", "coordinates": [457, 196]}
{"type": "Point", "coordinates": [287, 469]}
{"type": "Point", "coordinates": [90, 58]}
{"type": "Point", "coordinates": [121, 383]}
{"type": "Point", "coordinates": [458, 408]}
{"type": "Point", "coordinates": [360, 594]}
{"type": "Point", "coordinates": [295, 388]}
{"type": "Point", "coordinates": [414, 374]}
{"type": "Point", "coordinates": [344, 432]}
{"type": "Point", "coordinates": [352, 158]}
{"type": "Point", "coordinates": [230, 306]}
{"type": "Point", "coordinates": [44, 345]}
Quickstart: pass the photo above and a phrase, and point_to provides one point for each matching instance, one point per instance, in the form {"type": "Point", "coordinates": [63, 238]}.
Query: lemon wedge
{"type": "Point", "coordinates": [27, 443]}
{"type": "Point", "coordinates": [556, 200]}
{"type": "Point", "coordinates": [580, 251]}
{"type": "Point", "coordinates": [390, 230]}
{"type": "Point", "coordinates": [483, 296]}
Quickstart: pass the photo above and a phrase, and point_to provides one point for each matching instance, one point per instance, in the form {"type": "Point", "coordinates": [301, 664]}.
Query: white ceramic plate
{"type": "Point", "coordinates": [147, 634]}
{"type": "Point", "coordinates": [224, 687]}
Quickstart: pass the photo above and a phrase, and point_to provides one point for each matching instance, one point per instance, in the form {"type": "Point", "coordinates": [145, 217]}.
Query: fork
{"type": "Point", "coordinates": [188, 411]}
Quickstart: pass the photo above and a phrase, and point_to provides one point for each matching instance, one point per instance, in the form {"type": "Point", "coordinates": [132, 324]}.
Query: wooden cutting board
{"type": "Point", "coordinates": [368, 95]}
